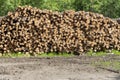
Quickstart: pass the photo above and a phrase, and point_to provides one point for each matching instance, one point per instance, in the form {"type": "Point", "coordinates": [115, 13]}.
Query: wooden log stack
{"type": "Point", "coordinates": [31, 30]}
{"type": "Point", "coordinates": [118, 20]}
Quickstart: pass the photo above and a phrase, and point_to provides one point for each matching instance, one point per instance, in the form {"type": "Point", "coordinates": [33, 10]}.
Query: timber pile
{"type": "Point", "coordinates": [118, 20]}
{"type": "Point", "coordinates": [31, 30]}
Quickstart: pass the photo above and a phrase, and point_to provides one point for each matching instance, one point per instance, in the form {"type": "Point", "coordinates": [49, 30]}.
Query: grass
{"type": "Point", "coordinates": [52, 54]}
{"type": "Point", "coordinates": [91, 53]}
{"type": "Point", "coordinates": [114, 65]}
{"type": "Point", "coordinates": [103, 53]}
{"type": "Point", "coordinates": [116, 52]}
{"type": "Point", "coordinates": [55, 55]}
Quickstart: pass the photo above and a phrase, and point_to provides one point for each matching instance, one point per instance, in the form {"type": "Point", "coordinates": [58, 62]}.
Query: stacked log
{"type": "Point", "coordinates": [118, 20]}
{"type": "Point", "coordinates": [31, 30]}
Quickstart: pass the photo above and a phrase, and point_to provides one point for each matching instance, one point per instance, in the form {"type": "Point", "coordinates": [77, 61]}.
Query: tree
{"type": "Point", "coordinates": [111, 8]}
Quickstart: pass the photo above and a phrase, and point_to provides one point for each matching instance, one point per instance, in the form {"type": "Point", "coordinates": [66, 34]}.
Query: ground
{"type": "Point", "coordinates": [59, 68]}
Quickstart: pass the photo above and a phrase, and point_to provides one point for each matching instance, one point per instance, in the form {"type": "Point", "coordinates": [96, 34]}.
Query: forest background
{"type": "Point", "coordinates": [109, 8]}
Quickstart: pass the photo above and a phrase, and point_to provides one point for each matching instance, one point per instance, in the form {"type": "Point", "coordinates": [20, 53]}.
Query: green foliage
{"type": "Point", "coordinates": [110, 8]}
{"type": "Point", "coordinates": [57, 5]}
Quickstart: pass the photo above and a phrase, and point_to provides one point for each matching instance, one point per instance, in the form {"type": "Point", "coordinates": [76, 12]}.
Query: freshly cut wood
{"type": "Point", "coordinates": [31, 30]}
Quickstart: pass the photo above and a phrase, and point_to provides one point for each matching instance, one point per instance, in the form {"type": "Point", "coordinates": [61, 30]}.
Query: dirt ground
{"type": "Point", "coordinates": [57, 68]}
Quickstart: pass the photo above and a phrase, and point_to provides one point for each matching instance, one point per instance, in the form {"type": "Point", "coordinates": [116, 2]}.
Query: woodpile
{"type": "Point", "coordinates": [1, 18]}
{"type": "Point", "coordinates": [31, 30]}
{"type": "Point", "coordinates": [118, 20]}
